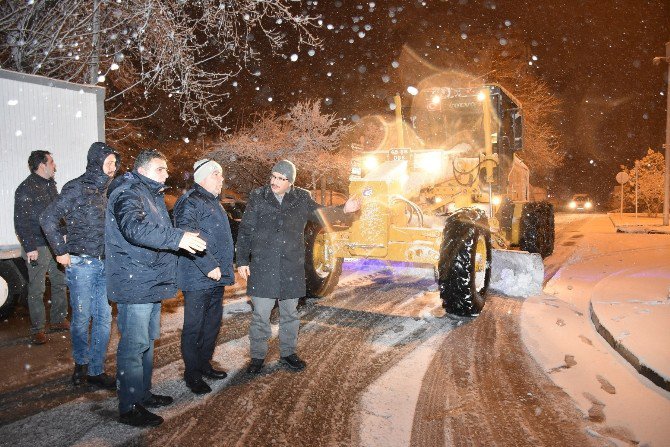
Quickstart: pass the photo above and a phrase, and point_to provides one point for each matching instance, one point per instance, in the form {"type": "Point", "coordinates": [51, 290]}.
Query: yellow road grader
{"type": "Point", "coordinates": [450, 193]}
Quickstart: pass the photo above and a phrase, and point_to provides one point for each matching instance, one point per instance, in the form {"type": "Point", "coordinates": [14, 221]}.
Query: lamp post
{"type": "Point", "coordinates": [666, 190]}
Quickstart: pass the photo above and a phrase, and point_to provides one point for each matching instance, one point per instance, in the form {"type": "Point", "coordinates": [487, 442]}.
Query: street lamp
{"type": "Point", "coordinates": [666, 190]}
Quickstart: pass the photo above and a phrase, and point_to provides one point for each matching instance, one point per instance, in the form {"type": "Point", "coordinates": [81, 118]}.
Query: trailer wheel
{"type": "Point", "coordinates": [465, 262]}
{"type": "Point", "coordinates": [322, 272]}
{"type": "Point", "coordinates": [537, 228]}
{"type": "Point", "coordinates": [13, 287]}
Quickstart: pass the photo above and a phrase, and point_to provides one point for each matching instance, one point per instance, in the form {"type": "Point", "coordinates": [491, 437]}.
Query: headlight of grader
{"type": "Point", "coordinates": [370, 163]}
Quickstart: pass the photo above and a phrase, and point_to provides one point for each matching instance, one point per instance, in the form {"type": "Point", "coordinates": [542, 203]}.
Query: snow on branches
{"type": "Point", "coordinates": [307, 137]}
{"type": "Point", "coordinates": [176, 47]}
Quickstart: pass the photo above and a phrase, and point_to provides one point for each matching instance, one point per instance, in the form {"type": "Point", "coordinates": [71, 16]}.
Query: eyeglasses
{"type": "Point", "coordinates": [282, 179]}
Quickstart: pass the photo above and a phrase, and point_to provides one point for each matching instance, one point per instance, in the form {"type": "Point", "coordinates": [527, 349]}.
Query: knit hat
{"type": "Point", "coordinates": [202, 168]}
{"type": "Point", "coordinates": [285, 168]}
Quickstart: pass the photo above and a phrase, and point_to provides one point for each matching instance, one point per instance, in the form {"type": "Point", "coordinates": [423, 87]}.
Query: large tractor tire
{"type": "Point", "coordinates": [537, 228]}
{"type": "Point", "coordinates": [464, 268]}
{"type": "Point", "coordinates": [321, 272]}
{"type": "Point", "coordinates": [13, 286]}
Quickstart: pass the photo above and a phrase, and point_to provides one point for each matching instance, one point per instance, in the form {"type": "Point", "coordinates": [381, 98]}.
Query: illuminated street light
{"type": "Point", "coordinates": [666, 189]}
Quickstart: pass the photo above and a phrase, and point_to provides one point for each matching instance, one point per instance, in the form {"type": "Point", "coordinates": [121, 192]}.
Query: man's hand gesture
{"type": "Point", "coordinates": [64, 259]}
{"type": "Point", "coordinates": [243, 270]}
{"type": "Point", "coordinates": [352, 205]}
{"type": "Point", "coordinates": [215, 274]}
{"type": "Point", "coordinates": [192, 243]}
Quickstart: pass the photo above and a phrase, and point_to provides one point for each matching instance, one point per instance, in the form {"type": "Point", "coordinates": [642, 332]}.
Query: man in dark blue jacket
{"type": "Point", "coordinates": [33, 195]}
{"type": "Point", "coordinates": [81, 205]}
{"type": "Point", "coordinates": [203, 276]}
{"type": "Point", "coordinates": [141, 265]}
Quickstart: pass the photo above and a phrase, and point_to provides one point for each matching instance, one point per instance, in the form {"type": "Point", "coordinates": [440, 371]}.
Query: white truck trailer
{"type": "Point", "coordinates": [39, 113]}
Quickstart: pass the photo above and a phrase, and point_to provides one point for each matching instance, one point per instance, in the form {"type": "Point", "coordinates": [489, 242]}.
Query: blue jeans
{"type": "Point", "coordinates": [203, 310]}
{"type": "Point", "coordinates": [88, 299]}
{"type": "Point", "coordinates": [139, 326]}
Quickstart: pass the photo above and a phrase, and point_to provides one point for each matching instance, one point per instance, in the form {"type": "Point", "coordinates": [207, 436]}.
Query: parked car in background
{"type": "Point", "coordinates": [580, 202]}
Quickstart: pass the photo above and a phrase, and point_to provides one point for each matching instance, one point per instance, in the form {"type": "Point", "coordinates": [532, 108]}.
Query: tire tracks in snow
{"type": "Point", "coordinates": [483, 388]}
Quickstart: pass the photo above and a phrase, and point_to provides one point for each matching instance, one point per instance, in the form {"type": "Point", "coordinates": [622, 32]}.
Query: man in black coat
{"type": "Point", "coordinates": [32, 196]}
{"type": "Point", "coordinates": [141, 267]}
{"type": "Point", "coordinates": [81, 205]}
{"type": "Point", "coordinates": [203, 276]}
{"type": "Point", "coordinates": [271, 257]}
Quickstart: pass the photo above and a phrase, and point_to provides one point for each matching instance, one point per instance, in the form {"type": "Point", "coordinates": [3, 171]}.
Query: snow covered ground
{"type": "Point", "coordinates": [599, 267]}
{"type": "Point", "coordinates": [561, 336]}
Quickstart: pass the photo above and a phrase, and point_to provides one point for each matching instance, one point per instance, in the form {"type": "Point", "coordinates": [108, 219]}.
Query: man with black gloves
{"type": "Point", "coordinates": [141, 267]}
{"type": "Point", "coordinates": [271, 257]}
{"type": "Point", "coordinates": [203, 276]}
{"type": "Point", "coordinates": [81, 205]}
{"type": "Point", "coordinates": [32, 196]}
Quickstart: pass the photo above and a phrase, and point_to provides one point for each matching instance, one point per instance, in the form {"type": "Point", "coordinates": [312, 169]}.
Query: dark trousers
{"type": "Point", "coordinates": [203, 310]}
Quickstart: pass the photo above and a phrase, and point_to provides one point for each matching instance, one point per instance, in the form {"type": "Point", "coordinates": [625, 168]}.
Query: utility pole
{"type": "Point", "coordinates": [666, 190]}
{"type": "Point", "coordinates": [637, 171]}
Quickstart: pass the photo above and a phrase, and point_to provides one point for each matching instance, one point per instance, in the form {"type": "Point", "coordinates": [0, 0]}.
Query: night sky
{"type": "Point", "coordinates": [596, 56]}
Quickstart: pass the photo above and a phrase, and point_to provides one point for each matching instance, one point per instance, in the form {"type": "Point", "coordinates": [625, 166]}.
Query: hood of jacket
{"type": "Point", "coordinates": [95, 160]}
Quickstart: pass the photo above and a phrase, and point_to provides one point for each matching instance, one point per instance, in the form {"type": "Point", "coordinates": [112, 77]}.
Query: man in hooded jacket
{"type": "Point", "coordinates": [81, 205]}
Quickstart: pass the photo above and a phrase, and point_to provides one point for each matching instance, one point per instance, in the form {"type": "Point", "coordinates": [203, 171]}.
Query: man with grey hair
{"type": "Point", "coordinates": [140, 246]}
{"type": "Point", "coordinates": [271, 257]}
{"type": "Point", "coordinates": [203, 276]}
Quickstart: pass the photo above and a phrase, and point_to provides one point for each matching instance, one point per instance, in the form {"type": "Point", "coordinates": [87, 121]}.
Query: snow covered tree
{"type": "Point", "coordinates": [190, 51]}
{"type": "Point", "coordinates": [650, 181]}
{"type": "Point", "coordinates": [304, 135]}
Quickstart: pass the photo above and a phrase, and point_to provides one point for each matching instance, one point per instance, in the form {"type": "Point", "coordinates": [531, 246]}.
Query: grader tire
{"type": "Point", "coordinates": [321, 277]}
{"type": "Point", "coordinates": [465, 263]}
{"type": "Point", "coordinates": [537, 228]}
{"type": "Point", "coordinates": [549, 238]}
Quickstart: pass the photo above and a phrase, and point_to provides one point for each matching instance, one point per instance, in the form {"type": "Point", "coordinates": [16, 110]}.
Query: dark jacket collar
{"type": "Point", "coordinates": [203, 191]}
{"type": "Point", "coordinates": [289, 197]}
{"type": "Point", "coordinates": [40, 179]}
{"type": "Point", "coordinates": [152, 185]}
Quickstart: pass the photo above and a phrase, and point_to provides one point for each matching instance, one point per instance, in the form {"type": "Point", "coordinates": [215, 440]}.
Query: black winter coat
{"type": "Point", "coordinates": [140, 243]}
{"type": "Point", "coordinates": [81, 204]}
{"type": "Point", "coordinates": [200, 211]}
{"type": "Point", "coordinates": [271, 241]}
{"type": "Point", "coordinates": [32, 196]}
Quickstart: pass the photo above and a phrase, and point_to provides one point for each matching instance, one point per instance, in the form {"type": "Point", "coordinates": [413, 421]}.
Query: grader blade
{"type": "Point", "coordinates": [516, 273]}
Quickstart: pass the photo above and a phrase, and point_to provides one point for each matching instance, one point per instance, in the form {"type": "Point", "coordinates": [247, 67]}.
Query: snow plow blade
{"type": "Point", "coordinates": [516, 273]}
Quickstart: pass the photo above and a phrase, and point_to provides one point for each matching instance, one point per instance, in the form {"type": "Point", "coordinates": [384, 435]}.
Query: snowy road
{"type": "Point", "coordinates": [386, 367]}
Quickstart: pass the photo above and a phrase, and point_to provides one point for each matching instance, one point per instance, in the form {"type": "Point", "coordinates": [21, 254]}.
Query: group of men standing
{"type": "Point", "coordinates": [117, 243]}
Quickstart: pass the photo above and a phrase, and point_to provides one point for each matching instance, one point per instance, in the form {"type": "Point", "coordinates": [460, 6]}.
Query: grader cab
{"type": "Point", "coordinates": [459, 194]}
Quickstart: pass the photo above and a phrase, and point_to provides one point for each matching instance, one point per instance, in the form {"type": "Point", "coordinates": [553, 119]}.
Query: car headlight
{"type": "Point", "coordinates": [588, 205]}
{"type": "Point", "coordinates": [572, 205]}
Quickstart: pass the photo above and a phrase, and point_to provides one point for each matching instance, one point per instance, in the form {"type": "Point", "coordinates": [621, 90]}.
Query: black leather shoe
{"type": "Point", "coordinates": [198, 386]}
{"type": "Point", "coordinates": [156, 400]}
{"type": "Point", "coordinates": [294, 362]}
{"type": "Point", "coordinates": [79, 374]}
{"type": "Point", "coordinates": [214, 373]}
{"type": "Point", "coordinates": [103, 380]}
{"type": "Point", "coordinates": [255, 366]}
{"type": "Point", "coordinates": [139, 416]}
